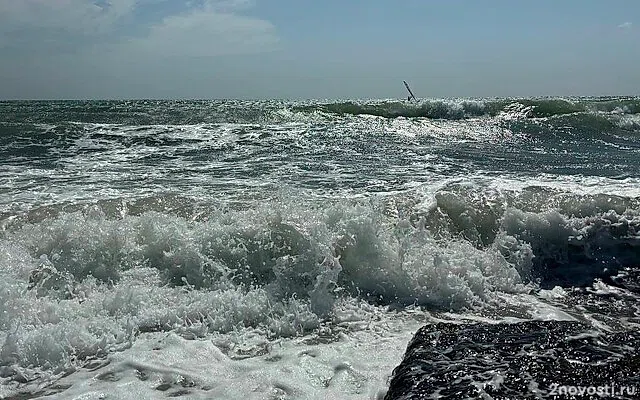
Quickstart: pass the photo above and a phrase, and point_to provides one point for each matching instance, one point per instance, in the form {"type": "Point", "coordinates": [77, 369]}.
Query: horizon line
{"type": "Point", "coordinates": [400, 98]}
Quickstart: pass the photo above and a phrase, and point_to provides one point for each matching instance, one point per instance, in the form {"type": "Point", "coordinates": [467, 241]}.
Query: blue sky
{"type": "Point", "coordinates": [317, 49]}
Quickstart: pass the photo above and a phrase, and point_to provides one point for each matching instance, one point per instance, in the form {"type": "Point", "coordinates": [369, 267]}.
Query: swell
{"type": "Point", "coordinates": [141, 112]}
{"type": "Point", "coordinates": [181, 112]}
{"type": "Point", "coordinates": [394, 109]}
{"type": "Point", "coordinates": [38, 125]}
{"type": "Point", "coordinates": [459, 109]}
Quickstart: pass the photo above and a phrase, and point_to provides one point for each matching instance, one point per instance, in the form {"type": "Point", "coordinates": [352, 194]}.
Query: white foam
{"type": "Point", "coordinates": [293, 273]}
{"type": "Point", "coordinates": [160, 364]}
{"type": "Point", "coordinates": [82, 284]}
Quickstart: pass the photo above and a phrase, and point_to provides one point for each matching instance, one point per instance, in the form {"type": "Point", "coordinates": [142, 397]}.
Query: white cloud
{"type": "Point", "coordinates": [206, 33]}
{"type": "Point", "coordinates": [625, 25]}
{"type": "Point", "coordinates": [102, 48]}
{"type": "Point", "coordinates": [203, 28]}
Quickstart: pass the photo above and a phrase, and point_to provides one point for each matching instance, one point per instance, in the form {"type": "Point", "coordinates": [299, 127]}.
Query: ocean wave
{"type": "Point", "coordinates": [193, 112]}
{"type": "Point", "coordinates": [80, 282]}
{"type": "Point", "coordinates": [52, 129]}
{"type": "Point", "coordinates": [392, 109]}
{"type": "Point", "coordinates": [79, 285]}
{"type": "Point", "coordinates": [456, 109]}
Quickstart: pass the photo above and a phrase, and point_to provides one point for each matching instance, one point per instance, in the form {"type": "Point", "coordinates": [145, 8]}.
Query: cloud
{"type": "Point", "coordinates": [625, 25]}
{"type": "Point", "coordinates": [60, 25]}
{"type": "Point", "coordinates": [194, 28]}
{"type": "Point", "coordinates": [206, 32]}
{"type": "Point", "coordinates": [87, 17]}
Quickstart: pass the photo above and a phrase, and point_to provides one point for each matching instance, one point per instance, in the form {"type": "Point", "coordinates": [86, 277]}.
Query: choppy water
{"type": "Point", "coordinates": [273, 249]}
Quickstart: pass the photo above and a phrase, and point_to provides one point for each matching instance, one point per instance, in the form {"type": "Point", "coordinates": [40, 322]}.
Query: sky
{"type": "Point", "coordinates": [321, 49]}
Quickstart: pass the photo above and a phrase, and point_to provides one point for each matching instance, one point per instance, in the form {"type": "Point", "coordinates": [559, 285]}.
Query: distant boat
{"type": "Point", "coordinates": [411, 95]}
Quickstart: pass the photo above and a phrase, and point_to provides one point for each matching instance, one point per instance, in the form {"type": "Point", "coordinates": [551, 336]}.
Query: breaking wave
{"type": "Point", "coordinates": [80, 283]}
{"type": "Point", "coordinates": [460, 109]}
{"type": "Point", "coordinates": [190, 112]}
{"type": "Point", "coordinates": [457, 109]}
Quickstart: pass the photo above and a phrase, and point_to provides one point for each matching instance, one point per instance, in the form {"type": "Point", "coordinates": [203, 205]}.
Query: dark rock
{"type": "Point", "coordinates": [523, 360]}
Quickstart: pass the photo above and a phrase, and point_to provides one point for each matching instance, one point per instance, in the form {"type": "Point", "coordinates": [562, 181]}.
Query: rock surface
{"type": "Point", "coordinates": [525, 360]}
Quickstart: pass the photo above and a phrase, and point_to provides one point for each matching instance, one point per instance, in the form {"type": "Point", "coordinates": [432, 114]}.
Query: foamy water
{"type": "Point", "coordinates": [291, 250]}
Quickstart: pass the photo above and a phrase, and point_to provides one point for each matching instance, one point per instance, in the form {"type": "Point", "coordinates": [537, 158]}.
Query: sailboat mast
{"type": "Point", "coordinates": [411, 95]}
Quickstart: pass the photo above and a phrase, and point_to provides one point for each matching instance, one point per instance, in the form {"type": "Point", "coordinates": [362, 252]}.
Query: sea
{"type": "Point", "coordinates": [228, 249]}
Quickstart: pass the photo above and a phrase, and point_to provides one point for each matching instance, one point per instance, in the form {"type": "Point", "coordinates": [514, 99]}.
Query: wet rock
{"type": "Point", "coordinates": [524, 360]}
